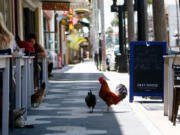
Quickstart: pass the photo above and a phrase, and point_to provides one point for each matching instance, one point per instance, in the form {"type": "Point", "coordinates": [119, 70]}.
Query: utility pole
{"type": "Point", "coordinates": [159, 20]}
{"type": "Point", "coordinates": [122, 56]}
{"type": "Point", "coordinates": [141, 20]}
{"type": "Point", "coordinates": [121, 30]}
{"type": "Point", "coordinates": [102, 37]}
{"type": "Point", "coordinates": [130, 8]}
{"type": "Point", "coordinates": [95, 31]}
{"type": "Point", "coordinates": [95, 26]}
{"type": "Point", "coordinates": [131, 33]}
{"type": "Point", "coordinates": [146, 20]}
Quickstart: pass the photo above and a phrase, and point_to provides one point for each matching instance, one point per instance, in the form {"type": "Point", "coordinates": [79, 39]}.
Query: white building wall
{"type": "Point", "coordinates": [52, 35]}
{"type": "Point", "coordinates": [173, 27]}
{"type": "Point", "coordinates": [108, 14]}
{"type": "Point", "coordinates": [172, 20]}
{"type": "Point", "coordinates": [169, 2]}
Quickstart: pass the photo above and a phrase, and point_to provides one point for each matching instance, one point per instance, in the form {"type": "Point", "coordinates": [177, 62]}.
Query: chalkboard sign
{"type": "Point", "coordinates": [146, 68]}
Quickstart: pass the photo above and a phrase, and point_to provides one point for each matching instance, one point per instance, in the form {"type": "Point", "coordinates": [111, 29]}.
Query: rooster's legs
{"type": "Point", "coordinates": [91, 111]}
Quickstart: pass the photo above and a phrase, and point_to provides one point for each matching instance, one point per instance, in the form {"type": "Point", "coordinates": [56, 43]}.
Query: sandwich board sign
{"type": "Point", "coordinates": [146, 69]}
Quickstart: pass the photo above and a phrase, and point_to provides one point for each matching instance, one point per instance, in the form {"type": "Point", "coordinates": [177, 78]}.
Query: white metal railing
{"type": "Point", "coordinates": [24, 72]}
{"type": "Point", "coordinates": [44, 68]}
{"type": "Point", "coordinates": [5, 65]}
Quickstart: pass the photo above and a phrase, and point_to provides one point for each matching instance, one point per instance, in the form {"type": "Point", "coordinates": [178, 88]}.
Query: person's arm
{"type": "Point", "coordinates": [41, 51]}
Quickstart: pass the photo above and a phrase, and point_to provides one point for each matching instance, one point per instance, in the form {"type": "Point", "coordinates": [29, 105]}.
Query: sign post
{"type": "Point", "coordinates": [146, 69]}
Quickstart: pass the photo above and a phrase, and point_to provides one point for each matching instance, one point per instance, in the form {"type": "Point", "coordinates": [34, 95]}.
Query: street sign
{"type": "Point", "coordinates": [146, 69]}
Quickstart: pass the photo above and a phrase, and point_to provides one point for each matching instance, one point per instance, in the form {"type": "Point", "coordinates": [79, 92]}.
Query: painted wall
{"type": "Point", "coordinates": [6, 9]}
{"type": "Point", "coordinates": [39, 25]}
{"type": "Point", "coordinates": [173, 24]}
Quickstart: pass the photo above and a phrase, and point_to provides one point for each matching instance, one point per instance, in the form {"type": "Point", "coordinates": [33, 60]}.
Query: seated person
{"type": "Point", "coordinates": [40, 51]}
{"type": "Point", "coordinates": [37, 47]}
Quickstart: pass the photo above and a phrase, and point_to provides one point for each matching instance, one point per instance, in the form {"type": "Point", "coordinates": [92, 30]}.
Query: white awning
{"type": "Point", "coordinates": [32, 4]}
{"type": "Point", "coordinates": [79, 5]}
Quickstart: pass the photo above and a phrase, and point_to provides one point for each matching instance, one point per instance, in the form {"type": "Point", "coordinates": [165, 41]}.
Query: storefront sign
{"type": "Point", "coordinates": [56, 6]}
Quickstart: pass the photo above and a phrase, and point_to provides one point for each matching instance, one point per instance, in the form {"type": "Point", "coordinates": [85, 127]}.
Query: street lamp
{"type": "Point", "coordinates": [118, 6]}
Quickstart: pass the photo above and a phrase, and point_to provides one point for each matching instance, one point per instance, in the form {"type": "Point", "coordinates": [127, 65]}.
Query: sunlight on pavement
{"type": "Point", "coordinates": [74, 130]}
{"type": "Point", "coordinates": [74, 81]}
{"type": "Point", "coordinates": [89, 67]}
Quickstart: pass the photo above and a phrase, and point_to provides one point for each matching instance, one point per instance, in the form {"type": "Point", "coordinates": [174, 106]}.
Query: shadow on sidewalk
{"type": "Point", "coordinates": [64, 112]}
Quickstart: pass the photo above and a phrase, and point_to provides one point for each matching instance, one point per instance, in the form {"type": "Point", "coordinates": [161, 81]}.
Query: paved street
{"type": "Point", "coordinates": [64, 112]}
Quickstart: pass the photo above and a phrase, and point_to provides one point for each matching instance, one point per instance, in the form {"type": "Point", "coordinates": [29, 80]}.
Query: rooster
{"type": "Point", "coordinates": [110, 97]}
{"type": "Point", "coordinates": [37, 97]}
{"type": "Point", "coordinates": [90, 100]}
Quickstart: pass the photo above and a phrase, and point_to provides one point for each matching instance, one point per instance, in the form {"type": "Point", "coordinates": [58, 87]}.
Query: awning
{"type": "Point", "coordinates": [31, 4]}
{"type": "Point", "coordinates": [56, 6]}
{"type": "Point", "coordinates": [75, 4]}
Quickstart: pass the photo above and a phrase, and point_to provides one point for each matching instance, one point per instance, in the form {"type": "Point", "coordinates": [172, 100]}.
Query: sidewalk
{"type": "Point", "coordinates": [154, 113]}
{"type": "Point", "coordinates": [149, 111]}
{"type": "Point", "coordinates": [63, 110]}
{"type": "Point", "coordinates": [128, 121]}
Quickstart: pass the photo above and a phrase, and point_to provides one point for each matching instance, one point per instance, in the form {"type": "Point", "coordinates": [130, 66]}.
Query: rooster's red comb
{"type": "Point", "coordinates": [101, 78]}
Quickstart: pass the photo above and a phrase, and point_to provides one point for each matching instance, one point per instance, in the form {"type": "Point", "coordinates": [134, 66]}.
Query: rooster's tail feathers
{"type": "Point", "coordinates": [122, 91]}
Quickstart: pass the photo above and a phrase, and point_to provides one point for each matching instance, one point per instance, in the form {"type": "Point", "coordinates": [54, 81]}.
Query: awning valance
{"type": "Point", "coordinates": [56, 6]}
{"type": "Point", "coordinates": [75, 4]}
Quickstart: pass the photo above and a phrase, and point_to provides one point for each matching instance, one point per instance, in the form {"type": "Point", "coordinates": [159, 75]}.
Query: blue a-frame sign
{"type": "Point", "coordinates": [147, 69]}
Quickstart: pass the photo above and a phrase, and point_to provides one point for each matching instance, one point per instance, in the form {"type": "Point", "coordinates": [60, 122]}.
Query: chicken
{"type": "Point", "coordinates": [110, 97]}
{"type": "Point", "coordinates": [37, 97]}
{"type": "Point", "coordinates": [90, 100]}
{"type": "Point", "coordinates": [19, 121]}
{"type": "Point", "coordinates": [18, 117]}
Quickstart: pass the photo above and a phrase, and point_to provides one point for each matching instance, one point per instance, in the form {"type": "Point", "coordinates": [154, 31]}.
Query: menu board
{"type": "Point", "coordinates": [147, 67]}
